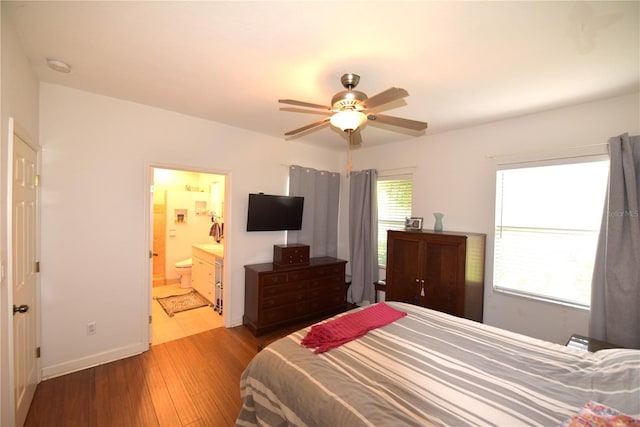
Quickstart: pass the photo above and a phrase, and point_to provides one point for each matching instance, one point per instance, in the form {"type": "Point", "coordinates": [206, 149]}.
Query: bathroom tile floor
{"type": "Point", "coordinates": [185, 323]}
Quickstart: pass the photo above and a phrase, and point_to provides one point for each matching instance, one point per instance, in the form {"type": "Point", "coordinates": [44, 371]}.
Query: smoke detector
{"type": "Point", "coordinates": [58, 65]}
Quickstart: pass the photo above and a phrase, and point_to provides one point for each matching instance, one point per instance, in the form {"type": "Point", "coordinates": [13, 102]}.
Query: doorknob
{"type": "Point", "coordinates": [20, 309]}
{"type": "Point", "coordinates": [155, 254]}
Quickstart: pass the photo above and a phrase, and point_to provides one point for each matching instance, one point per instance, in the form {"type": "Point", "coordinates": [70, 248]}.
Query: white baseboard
{"type": "Point", "coordinates": [236, 322]}
{"type": "Point", "coordinates": [75, 365]}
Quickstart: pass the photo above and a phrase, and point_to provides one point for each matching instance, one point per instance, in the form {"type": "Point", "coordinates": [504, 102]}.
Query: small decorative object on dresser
{"type": "Point", "coordinates": [293, 254]}
{"type": "Point", "coordinates": [413, 223]}
{"type": "Point", "coordinates": [438, 224]}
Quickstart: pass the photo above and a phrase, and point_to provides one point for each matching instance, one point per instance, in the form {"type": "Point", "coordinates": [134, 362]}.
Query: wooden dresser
{"type": "Point", "coordinates": [443, 271]}
{"type": "Point", "coordinates": [276, 296]}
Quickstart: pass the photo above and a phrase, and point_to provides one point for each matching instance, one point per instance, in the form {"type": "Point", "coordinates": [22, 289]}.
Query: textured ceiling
{"type": "Point", "coordinates": [463, 63]}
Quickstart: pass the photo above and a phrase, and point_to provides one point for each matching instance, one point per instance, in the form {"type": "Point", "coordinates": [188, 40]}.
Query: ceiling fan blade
{"type": "Point", "coordinates": [307, 127]}
{"type": "Point", "coordinates": [397, 121]}
{"type": "Point", "coordinates": [389, 95]}
{"type": "Point", "coordinates": [303, 104]}
{"type": "Point", "coordinates": [355, 139]}
{"type": "Point", "coordinates": [302, 110]}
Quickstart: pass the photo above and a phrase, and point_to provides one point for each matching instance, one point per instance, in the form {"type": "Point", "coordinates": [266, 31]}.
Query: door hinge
{"type": "Point", "coordinates": [36, 181]}
{"type": "Point", "coordinates": [150, 319]}
{"type": "Point", "coordinates": [37, 352]}
{"type": "Point", "coordinates": [37, 267]}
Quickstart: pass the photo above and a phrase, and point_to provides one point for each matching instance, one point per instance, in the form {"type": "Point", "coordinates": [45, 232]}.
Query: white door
{"type": "Point", "coordinates": [23, 277]}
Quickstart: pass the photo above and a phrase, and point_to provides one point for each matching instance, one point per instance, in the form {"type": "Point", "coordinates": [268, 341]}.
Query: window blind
{"type": "Point", "coordinates": [394, 206]}
{"type": "Point", "coordinates": [547, 225]}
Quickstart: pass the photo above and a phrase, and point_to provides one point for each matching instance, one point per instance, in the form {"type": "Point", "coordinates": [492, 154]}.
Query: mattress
{"type": "Point", "coordinates": [430, 368]}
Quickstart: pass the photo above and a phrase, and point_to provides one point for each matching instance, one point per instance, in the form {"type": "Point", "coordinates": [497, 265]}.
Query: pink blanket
{"type": "Point", "coordinates": [334, 333]}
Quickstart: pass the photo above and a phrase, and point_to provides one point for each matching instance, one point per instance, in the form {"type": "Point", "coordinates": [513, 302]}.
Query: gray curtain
{"type": "Point", "coordinates": [321, 192]}
{"type": "Point", "coordinates": [615, 290]}
{"type": "Point", "coordinates": [363, 234]}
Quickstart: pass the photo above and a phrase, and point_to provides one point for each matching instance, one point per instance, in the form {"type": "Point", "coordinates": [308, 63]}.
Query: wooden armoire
{"type": "Point", "coordinates": [442, 271]}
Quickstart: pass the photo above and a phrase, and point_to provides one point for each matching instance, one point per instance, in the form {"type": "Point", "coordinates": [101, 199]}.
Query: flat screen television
{"type": "Point", "coordinates": [272, 213]}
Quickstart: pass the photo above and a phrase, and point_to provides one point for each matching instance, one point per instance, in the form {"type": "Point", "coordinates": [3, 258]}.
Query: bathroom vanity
{"type": "Point", "coordinates": [207, 268]}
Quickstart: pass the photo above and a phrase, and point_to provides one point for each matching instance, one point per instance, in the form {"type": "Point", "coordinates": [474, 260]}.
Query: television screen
{"type": "Point", "coordinates": [270, 213]}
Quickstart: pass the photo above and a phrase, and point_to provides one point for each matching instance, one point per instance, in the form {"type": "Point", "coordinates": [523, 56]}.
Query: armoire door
{"type": "Point", "coordinates": [404, 253]}
{"type": "Point", "coordinates": [443, 272]}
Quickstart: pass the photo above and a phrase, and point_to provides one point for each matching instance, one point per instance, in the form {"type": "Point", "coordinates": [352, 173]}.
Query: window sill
{"type": "Point", "coordinates": [539, 298]}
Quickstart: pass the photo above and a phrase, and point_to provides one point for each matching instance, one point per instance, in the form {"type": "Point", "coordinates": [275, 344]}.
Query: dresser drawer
{"type": "Point", "coordinates": [295, 276]}
{"type": "Point", "coordinates": [329, 270]}
{"type": "Point", "coordinates": [324, 282]}
{"type": "Point", "coordinates": [282, 288]}
{"type": "Point", "coordinates": [283, 298]}
{"type": "Point", "coordinates": [284, 313]}
{"type": "Point", "coordinates": [326, 302]}
{"type": "Point", "coordinates": [272, 279]}
{"type": "Point", "coordinates": [328, 289]}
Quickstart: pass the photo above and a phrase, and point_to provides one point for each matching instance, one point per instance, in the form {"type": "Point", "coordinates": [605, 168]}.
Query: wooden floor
{"type": "Point", "coordinates": [193, 381]}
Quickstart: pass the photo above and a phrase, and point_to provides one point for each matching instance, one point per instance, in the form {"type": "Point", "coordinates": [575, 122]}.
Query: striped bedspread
{"type": "Point", "coordinates": [430, 368]}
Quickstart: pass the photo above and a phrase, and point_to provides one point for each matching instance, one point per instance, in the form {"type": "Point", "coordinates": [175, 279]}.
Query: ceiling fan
{"type": "Point", "coordinates": [352, 109]}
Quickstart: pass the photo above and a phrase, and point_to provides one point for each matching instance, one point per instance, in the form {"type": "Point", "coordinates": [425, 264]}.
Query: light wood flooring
{"type": "Point", "coordinates": [190, 382]}
{"type": "Point", "coordinates": [193, 381]}
{"type": "Point", "coordinates": [183, 324]}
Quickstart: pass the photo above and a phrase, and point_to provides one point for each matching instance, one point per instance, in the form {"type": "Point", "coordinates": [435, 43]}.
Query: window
{"type": "Point", "coordinates": [394, 205]}
{"type": "Point", "coordinates": [547, 225]}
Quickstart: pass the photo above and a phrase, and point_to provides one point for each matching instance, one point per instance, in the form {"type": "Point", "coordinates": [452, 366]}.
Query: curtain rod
{"type": "Point", "coordinates": [306, 167]}
{"type": "Point", "coordinates": [550, 159]}
{"type": "Point", "coordinates": [398, 169]}
{"type": "Point", "coordinates": [557, 150]}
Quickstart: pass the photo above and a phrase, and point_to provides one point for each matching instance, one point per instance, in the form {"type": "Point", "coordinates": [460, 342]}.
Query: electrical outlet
{"type": "Point", "coordinates": [91, 328]}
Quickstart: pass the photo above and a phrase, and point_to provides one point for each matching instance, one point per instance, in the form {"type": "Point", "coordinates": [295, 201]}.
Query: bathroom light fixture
{"type": "Point", "coordinates": [58, 65]}
{"type": "Point", "coordinates": [348, 120]}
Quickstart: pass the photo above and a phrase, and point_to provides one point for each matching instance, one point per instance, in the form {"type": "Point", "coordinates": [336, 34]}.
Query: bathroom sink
{"type": "Point", "coordinates": [216, 249]}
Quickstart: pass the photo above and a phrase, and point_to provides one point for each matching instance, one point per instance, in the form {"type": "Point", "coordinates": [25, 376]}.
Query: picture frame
{"type": "Point", "coordinates": [414, 223]}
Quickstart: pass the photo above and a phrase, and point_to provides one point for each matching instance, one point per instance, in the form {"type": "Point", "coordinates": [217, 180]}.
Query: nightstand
{"type": "Point", "coordinates": [588, 344]}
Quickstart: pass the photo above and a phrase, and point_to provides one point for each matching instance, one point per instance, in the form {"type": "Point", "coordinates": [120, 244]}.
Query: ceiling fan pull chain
{"type": "Point", "coordinates": [349, 163]}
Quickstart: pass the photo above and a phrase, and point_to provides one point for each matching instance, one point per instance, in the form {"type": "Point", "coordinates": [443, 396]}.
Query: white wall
{"type": "Point", "coordinates": [19, 94]}
{"type": "Point", "coordinates": [95, 227]}
{"type": "Point", "coordinates": [95, 222]}
{"type": "Point", "coordinates": [96, 154]}
{"type": "Point", "coordinates": [454, 175]}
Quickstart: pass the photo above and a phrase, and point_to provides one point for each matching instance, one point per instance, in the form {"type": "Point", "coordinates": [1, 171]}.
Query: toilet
{"type": "Point", "coordinates": [183, 268]}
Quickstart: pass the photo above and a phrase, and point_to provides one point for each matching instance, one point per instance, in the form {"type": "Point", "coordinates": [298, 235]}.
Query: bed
{"type": "Point", "coordinates": [430, 368]}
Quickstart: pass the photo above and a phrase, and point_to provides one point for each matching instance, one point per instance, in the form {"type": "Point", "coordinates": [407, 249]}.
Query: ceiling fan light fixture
{"type": "Point", "coordinates": [348, 120]}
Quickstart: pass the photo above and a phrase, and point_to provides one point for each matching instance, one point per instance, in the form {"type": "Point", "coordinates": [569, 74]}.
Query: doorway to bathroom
{"type": "Point", "coordinates": [187, 208]}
